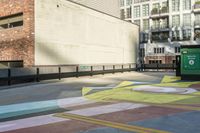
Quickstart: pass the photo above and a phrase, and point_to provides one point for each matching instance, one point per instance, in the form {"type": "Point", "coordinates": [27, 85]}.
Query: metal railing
{"type": "Point", "coordinates": [159, 27]}
{"type": "Point", "coordinates": [36, 74]}
{"type": "Point", "coordinates": [156, 67]}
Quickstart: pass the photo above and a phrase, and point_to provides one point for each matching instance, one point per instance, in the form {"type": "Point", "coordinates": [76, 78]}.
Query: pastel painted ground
{"type": "Point", "coordinates": [170, 91]}
{"type": "Point", "coordinates": [130, 106]}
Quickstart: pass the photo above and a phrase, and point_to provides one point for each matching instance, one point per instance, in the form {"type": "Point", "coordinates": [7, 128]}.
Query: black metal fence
{"type": "Point", "coordinates": [156, 67]}
{"type": "Point", "coordinates": [20, 75]}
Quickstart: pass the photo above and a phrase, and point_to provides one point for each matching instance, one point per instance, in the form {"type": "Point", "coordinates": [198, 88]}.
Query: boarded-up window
{"type": "Point", "coordinates": [11, 21]}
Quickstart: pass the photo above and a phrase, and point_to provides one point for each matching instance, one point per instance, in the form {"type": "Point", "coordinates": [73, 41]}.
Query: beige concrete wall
{"type": "Point", "coordinates": [111, 7]}
{"type": "Point", "coordinates": [67, 33]}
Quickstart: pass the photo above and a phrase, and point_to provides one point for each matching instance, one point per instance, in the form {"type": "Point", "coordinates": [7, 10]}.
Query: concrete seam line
{"type": "Point", "coordinates": [121, 126]}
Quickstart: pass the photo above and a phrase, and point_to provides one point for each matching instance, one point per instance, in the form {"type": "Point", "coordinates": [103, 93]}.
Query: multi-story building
{"type": "Point", "coordinates": [164, 26]}
{"type": "Point", "coordinates": [102, 5]}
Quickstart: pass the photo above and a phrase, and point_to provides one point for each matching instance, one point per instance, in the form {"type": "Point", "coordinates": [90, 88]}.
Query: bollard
{"type": "Point", "coordinates": [77, 75]}
{"type": "Point", "coordinates": [38, 74]}
{"type": "Point", "coordinates": [113, 69]}
{"type": "Point", "coordinates": [91, 73]}
{"type": "Point", "coordinates": [103, 70]}
{"type": "Point", "coordinates": [59, 73]}
{"type": "Point", "coordinates": [9, 76]}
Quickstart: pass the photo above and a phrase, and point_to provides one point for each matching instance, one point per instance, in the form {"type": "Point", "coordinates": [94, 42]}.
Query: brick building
{"type": "Point", "coordinates": [17, 31]}
{"type": "Point", "coordinates": [43, 32]}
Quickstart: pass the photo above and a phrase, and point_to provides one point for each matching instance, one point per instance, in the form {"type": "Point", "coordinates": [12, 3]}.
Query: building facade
{"type": "Point", "coordinates": [165, 25]}
{"type": "Point", "coordinates": [16, 31]}
{"type": "Point", "coordinates": [102, 5]}
{"type": "Point", "coordinates": [61, 32]}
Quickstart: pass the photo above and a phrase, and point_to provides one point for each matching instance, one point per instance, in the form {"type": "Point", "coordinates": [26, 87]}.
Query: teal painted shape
{"type": "Point", "coordinates": [13, 110]}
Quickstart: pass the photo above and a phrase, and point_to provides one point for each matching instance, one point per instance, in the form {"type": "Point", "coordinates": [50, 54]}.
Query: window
{"type": "Point", "coordinates": [187, 20]}
{"type": "Point", "coordinates": [197, 19]}
{"type": "Point", "coordinates": [187, 34]}
{"type": "Point", "coordinates": [128, 13]}
{"type": "Point", "coordinates": [137, 22]}
{"type": "Point", "coordinates": [122, 14]}
{"type": "Point", "coordinates": [137, 11]}
{"type": "Point", "coordinates": [144, 37]}
{"type": "Point", "coordinates": [145, 24]}
{"type": "Point", "coordinates": [122, 3]}
{"type": "Point", "coordinates": [164, 23]}
{"type": "Point", "coordinates": [155, 61]}
{"type": "Point", "coordinates": [142, 52]}
{"type": "Point", "coordinates": [176, 20]}
{"type": "Point", "coordinates": [175, 5]}
{"type": "Point", "coordinates": [176, 35]}
{"type": "Point", "coordinates": [186, 4]}
{"type": "Point", "coordinates": [177, 50]}
{"type": "Point", "coordinates": [155, 9]}
{"type": "Point", "coordinates": [145, 10]}
{"type": "Point", "coordinates": [165, 4]}
{"type": "Point", "coordinates": [156, 5]}
{"type": "Point", "coordinates": [159, 50]}
{"type": "Point", "coordinates": [128, 2]}
{"type": "Point", "coordinates": [11, 21]}
{"type": "Point", "coordinates": [156, 24]}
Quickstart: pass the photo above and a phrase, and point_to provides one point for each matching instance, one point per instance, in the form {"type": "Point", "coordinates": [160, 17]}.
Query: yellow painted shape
{"type": "Point", "coordinates": [85, 90]}
{"type": "Point", "coordinates": [124, 83]}
{"type": "Point", "coordinates": [121, 126]}
{"type": "Point", "coordinates": [196, 93]}
{"type": "Point", "coordinates": [169, 79]}
{"type": "Point", "coordinates": [127, 94]}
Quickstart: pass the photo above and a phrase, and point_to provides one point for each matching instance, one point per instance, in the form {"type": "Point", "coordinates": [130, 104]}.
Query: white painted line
{"type": "Point", "coordinates": [157, 89]}
{"type": "Point", "coordinates": [75, 101]}
{"type": "Point", "coordinates": [29, 122]}
{"type": "Point", "coordinates": [107, 109]}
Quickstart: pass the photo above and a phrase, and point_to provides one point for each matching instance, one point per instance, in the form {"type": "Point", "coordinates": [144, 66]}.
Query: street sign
{"type": "Point", "coordinates": [190, 60]}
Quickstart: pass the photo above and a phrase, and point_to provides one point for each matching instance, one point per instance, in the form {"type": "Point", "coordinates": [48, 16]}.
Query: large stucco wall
{"type": "Point", "coordinates": [110, 7]}
{"type": "Point", "coordinates": [67, 33]}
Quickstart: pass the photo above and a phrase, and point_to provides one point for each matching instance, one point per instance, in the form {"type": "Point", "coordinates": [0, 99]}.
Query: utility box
{"type": "Point", "coordinates": [190, 62]}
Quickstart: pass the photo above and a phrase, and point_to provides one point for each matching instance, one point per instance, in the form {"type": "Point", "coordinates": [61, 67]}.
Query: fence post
{"type": "Point", "coordinates": [59, 73]}
{"type": "Point", "coordinates": [38, 74]}
{"type": "Point", "coordinates": [113, 69]}
{"type": "Point", "coordinates": [9, 76]}
{"type": "Point", "coordinates": [157, 67]}
{"type": "Point", "coordinates": [91, 73]}
{"type": "Point", "coordinates": [174, 67]}
{"type": "Point", "coordinates": [129, 67]}
{"type": "Point", "coordinates": [122, 68]}
{"type": "Point", "coordinates": [77, 75]}
{"type": "Point", "coordinates": [136, 67]}
{"type": "Point", "coordinates": [103, 69]}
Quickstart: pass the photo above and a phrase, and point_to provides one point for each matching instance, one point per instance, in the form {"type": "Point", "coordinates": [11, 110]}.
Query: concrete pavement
{"type": "Point", "coordinates": [110, 103]}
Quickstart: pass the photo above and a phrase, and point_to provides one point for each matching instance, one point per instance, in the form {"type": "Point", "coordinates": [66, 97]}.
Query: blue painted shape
{"type": "Point", "coordinates": [27, 108]}
{"type": "Point", "coordinates": [179, 123]}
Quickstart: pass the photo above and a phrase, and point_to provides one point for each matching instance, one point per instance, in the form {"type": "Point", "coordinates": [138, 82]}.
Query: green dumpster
{"type": "Point", "coordinates": [190, 62]}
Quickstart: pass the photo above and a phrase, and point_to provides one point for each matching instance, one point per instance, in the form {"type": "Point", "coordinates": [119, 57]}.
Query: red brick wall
{"type": "Point", "coordinates": [165, 59]}
{"type": "Point", "coordinates": [18, 43]}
